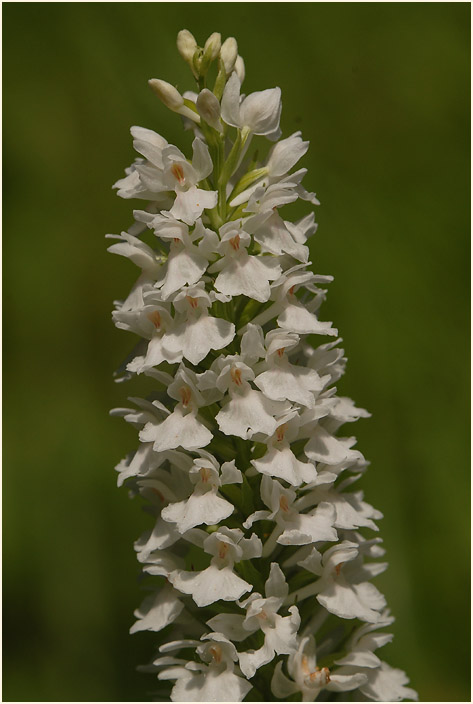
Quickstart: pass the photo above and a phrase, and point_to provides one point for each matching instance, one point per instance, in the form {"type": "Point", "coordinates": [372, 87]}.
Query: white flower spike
{"type": "Point", "coordinates": [258, 561]}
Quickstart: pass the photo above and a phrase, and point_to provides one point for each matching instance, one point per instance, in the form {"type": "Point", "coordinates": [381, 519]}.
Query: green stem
{"type": "Point", "coordinates": [222, 185]}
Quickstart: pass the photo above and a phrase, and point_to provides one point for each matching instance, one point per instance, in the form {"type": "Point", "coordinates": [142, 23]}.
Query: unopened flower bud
{"type": "Point", "coordinates": [229, 53]}
{"type": "Point", "coordinates": [212, 46]}
{"type": "Point", "coordinates": [169, 95]}
{"type": "Point", "coordinates": [209, 108]}
{"type": "Point", "coordinates": [172, 99]}
{"type": "Point", "coordinates": [240, 68]}
{"type": "Point", "coordinates": [186, 45]}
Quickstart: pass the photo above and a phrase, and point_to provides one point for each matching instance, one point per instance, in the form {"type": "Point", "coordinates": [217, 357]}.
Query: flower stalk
{"type": "Point", "coordinates": [259, 557]}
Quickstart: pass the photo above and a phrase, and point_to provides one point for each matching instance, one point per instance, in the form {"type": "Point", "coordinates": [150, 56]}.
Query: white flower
{"type": "Point", "coordinates": [240, 272]}
{"type": "Point", "coordinates": [204, 505]}
{"type": "Point", "coordinates": [262, 614]}
{"type": "Point", "coordinates": [282, 157]}
{"type": "Point", "coordinates": [279, 460]}
{"type": "Point", "coordinates": [219, 581]}
{"type": "Point", "coordinates": [259, 112]}
{"type": "Point", "coordinates": [309, 679]}
{"type": "Point", "coordinates": [247, 411]}
{"type": "Point", "coordinates": [181, 428]}
{"type": "Point", "coordinates": [158, 611]}
{"type": "Point", "coordinates": [364, 641]}
{"type": "Point", "coordinates": [150, 145]}
{"type": "Point", "coordinates": [383, 683]}
{"type": "Point", "coordinates": [199, 332]}
{"type": "Point", "coordinates": [294, 528]}
{"type": "Point", "coordinates": [339, 591]}
{"type": "Point", "coordinates": [284, 380]}
{"type": "Point", "coordinates": [215, 681]}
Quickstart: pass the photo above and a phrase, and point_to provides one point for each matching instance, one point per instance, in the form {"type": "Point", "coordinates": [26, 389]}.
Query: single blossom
{"type": "Point", "coordinates": [219, 581]}
{"type": "Point", "coordinates": [258, 112]}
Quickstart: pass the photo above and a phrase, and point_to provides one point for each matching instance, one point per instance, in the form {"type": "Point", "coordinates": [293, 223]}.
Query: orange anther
{"type": "Point", "coordinates": [283, 503]}
{"type": "Point", "coordinates": [222, 550]}
{"type": "Point", "coordinates": [216, 653]}
{"type": "Point", "coordinates": [338, 568]}
{"type": "Point", "coordinates": [178, 173]}
{"type": "Point", "coordinates": [186, 394]}
{"type": "Point", "coordinates": [281, 351]}
{"type": "Point", "coordinates": [280, 432]}
{"type": "Point", "coordinates": [155, 318]}
{"type": "Point", "coordinates": [305, 665]}
{"type": "Point", "coordinates": [158, 494]}
{"type": "Point", "coordinates": [291, 290]}
{"type": "Point", "coordinates": [193, 302]}
{"type": "Point", "coordinates": [321, 676]}
{"type": "Point", "coordinates": [235, 374]}
{"type": "Point", "coordinates": [235, 242]}
{"type": "Point", "coordinates": [205, 474]}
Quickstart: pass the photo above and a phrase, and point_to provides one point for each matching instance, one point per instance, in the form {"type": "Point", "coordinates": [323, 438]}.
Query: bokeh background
{"type": "Point", "coordinates": [381, 90]}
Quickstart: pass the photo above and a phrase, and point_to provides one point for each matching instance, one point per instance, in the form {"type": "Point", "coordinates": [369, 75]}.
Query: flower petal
{"type": "Point", "coordinates": [158, 611]}
{"type": "Point", "coordinates": [210, 585]}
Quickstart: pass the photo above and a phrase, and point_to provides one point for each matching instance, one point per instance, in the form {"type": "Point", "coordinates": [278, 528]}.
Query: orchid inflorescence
{"type": "Point", "coordinates": [258, 559]}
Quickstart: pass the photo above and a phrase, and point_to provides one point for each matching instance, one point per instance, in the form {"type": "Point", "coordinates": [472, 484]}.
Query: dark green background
{"type": "Point", "coordinates": [382, 93]}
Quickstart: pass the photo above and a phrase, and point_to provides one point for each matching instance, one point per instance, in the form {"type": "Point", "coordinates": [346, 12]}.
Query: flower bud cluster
{"type": "Point", "coordinates": [260, 554]}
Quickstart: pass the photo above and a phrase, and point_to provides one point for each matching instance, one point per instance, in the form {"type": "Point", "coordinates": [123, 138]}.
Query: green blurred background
{"type": "Point", "coordinates": [381, 90]}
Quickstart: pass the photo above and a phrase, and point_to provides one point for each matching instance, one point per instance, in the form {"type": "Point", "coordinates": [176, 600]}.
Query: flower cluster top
{"type": "Point", "coordinates": [260, 556]}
